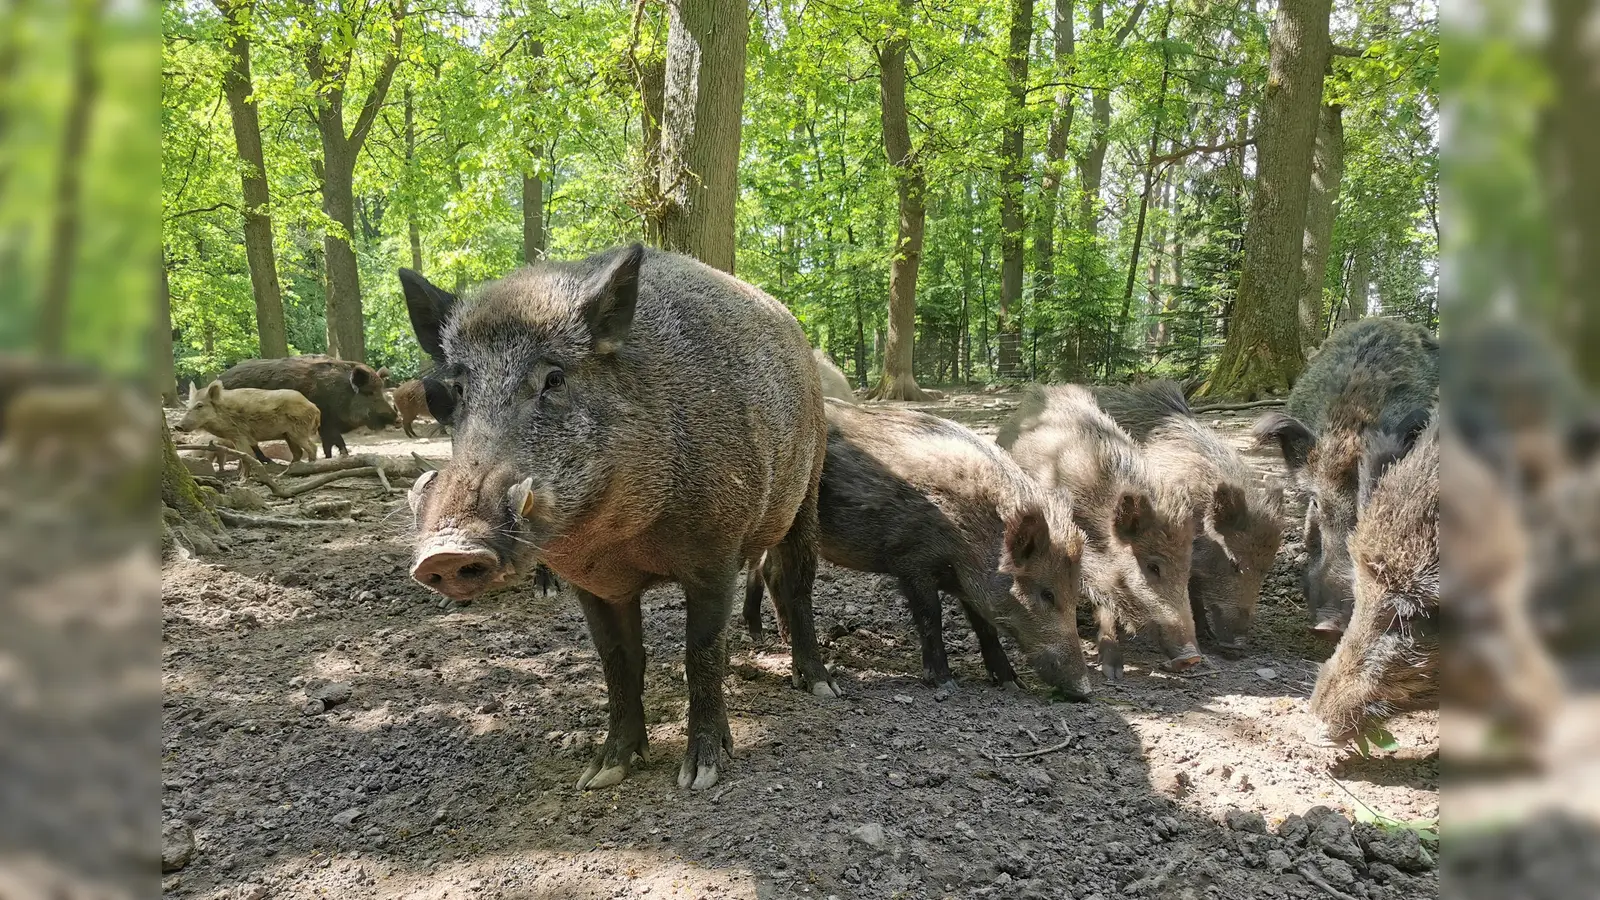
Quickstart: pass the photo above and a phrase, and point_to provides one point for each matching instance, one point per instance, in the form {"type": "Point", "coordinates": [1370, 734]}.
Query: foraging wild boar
{"type": "Point", "coordinates": [63, 425]}
{"type": "Point", "coordinates": [350, 395]}
{"type": "Point", "coordinates": [1244, 520]}
{"type": "Point", "coordinates": [1138, 523]}
{"type": "Point", "coordinates": [244, 417]}
{"type": "Point", "coordinates": [928, 501]}
{"type": "Point", "coordinates": [1375, 375]}
{"type": "Point", "coordinates": [630, 419]}
{"type": "Point", "coordinates": [834, 384]}
{"type": "Point", "coordinates": [411, 401]}
{"type": "Point", "coordinates": [1387, 662]}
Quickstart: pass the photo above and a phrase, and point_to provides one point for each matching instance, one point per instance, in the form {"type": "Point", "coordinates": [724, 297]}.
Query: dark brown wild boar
{"type": "Point", "coordinates": [1238, 543]}
{"type": "Point", "coordinates": [1375, 375]}
{"type": "Point", "coordinates": [928, 501]}
{"type": "Point", "coordinates": [350, 395]}
{"type": "Point", "coordinates": [1138, 523]}
{"type": "Point", "coordinates": [630, 419]}
{"type": "Point", "coordinates": [1387, 662]}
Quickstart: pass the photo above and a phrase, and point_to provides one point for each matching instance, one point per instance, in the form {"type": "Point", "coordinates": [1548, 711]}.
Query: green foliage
{"type": "Point", "coordinates": [817, 212]}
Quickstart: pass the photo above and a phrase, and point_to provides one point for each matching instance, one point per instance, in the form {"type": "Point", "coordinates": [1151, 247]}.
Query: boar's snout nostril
{"type": "Point", "coordinates": [456, 573]}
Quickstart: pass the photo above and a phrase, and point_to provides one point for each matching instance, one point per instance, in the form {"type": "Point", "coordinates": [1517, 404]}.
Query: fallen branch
{"type": "Point", "coordinates": [311, 484]}
{"type": "Point", "coordinates": [1223, 407]}
{"type": "Point", "coordinates": [1311, 875]}
{"type": "Point", "coordinates": [234, 519]}
{"type": "Point", "coordinates": [383, 479]}
{"type": "Point", "coordinates": [1039, 752]}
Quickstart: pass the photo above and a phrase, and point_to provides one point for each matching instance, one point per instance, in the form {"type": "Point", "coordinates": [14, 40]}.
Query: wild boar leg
{"type": "Point", "coordinates": [791, 571]}
{"type": "Point", "coordinates": [1110, 646]}
{"type": "Point", "coordinates": [709, 600]}
{"type": "Point", "coordinates": [994, 655]}
{"type": "Point", "coordinates": [619, 638]}
{"type": "Point", "coordinates": [922, 594]}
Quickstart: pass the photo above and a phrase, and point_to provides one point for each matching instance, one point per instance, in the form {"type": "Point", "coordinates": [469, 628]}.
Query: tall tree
{"type": "Point", "coordinates": [1327, 170]}
{"type": "Point", "coordinates": [1012, 167]}
{"type": "Point", "coordinates": [1055, 155]}
{"type": "Point", "coordinates": [238, 86]}
{"type": "Point", "coordinates": [1262, 354]}
{"type": "Point", "coordinates": [532, 176]}
{"type": "Point", "coordinates": [898, 381]}
{"type": "Point", "coordinates": [163, 378]}
{"type": "Point", "coordinates": [1091, 165]}
{"type": "Point", "coordinates": [702, 119]}
{"type": "Point", "coordinates": [329, 50]}
{"type": "Point", "coordinates": [65, 218]}
{"type": "Point", "coordinates": [413, 227]}
{"type": "Point", "coordinates": [1573, 58]}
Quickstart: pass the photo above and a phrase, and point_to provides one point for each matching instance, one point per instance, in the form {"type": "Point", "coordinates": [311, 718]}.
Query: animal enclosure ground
{"type": "Point", "coordinates": [330, 732]}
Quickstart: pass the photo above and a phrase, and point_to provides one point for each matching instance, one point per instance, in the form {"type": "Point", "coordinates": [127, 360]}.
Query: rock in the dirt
{"type": "Point", "coordinates": [328, 509]}
{"type": "Point", "coordinates": [1244, 820]}
{"type": "Point", "coordinates": [314, 708]}
{"type": "Point", "coordinates": [1331, 833]}
{"type": "Point", "coordinates": [870, 834]}
{"type": "Point", "coordinates": [1294, 830]}
{"type": "Point", "coordinates": [177, 846]}
{"type": "Point", "coordinates": [1336, 871]}
{"type": "Point", "coordinates": [1034, 781]}
{"type": "Point", "coordinates": [332, 694]}
{"type": "Point", "coordinates": [489, 706]}
{"type": "Point", "coordinates": [252, 892]}
{"type": "Point", "coordinates": [1267, 674]}
{"type": "Point", "coordinates": [1401, 848]}
{"type": "Point", "coordinates": [1383, 873]}
{"type": "Point", "coordinates": [348, 817]}
{"type": "Point", "coordinates": [903, 698]}
{"type": "Point", "coordinates": [1277, 861]}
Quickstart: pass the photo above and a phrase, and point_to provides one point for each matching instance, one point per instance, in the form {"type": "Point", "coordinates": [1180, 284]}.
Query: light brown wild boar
{"type": "Point", "coordinates": [834, 384]}
{"type": "Point", "coordinates": [1387, 662]}
{"type": "Point", "coordinates": [631, 419]}
{"type": "Point", "coordinates": [412, 404]}
{"type": "Point", "coordinates": [1139, 525]}
{"type": "Point", "coordinates": [1238, 542]}
{"type": "Point", "coordinates": [245, 417]}
{"type": "Point", "coordinates": [940, 508]}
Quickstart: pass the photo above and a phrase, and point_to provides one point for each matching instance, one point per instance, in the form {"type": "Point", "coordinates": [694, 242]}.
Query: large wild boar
{"type": "Point", "coordinates": [1244, 524]}
{"type": "Point", "coordinates": [244, 417]}
{"type": "Point", "coordinates": [1387, 662]}
{"type": "Point", "coordinates": [1375, 375]}
{"type": "Point", "coordinates": [1139, 523]}
{"type": "Point", "coordinates": [350, 395]}
{"type": "Point", "coordinates": [631, 419]}
{"type": "Point", "coordinates": [939, 508]}
{"type": "Point", "coordinates": [834, 384]}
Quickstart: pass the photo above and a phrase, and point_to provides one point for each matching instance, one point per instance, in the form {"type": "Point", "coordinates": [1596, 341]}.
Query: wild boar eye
{"type": "Point", "coordinates": [1048, 596]}
{"type": "Point", "coordinates": [1154, 569]}
{"type": "Point", "coordinates": [555, 380]}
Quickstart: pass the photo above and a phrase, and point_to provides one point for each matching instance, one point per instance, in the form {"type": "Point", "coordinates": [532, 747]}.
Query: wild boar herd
{"type": "Point", "coordinates": [636, 418]}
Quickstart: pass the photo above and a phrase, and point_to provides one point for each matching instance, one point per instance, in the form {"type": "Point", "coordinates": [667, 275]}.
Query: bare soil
{"type": "Point", "coordinates": [449, 769]}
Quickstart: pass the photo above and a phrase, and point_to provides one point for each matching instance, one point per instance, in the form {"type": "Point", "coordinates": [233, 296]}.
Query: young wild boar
{"type": "Point", "coordinates": [1139, 523]}
{"type": "Point", "coordinates": [1375, 375]}
{"type": "Point", "coordinates": [411, 401]}
{"type": "Point", "coordinates": [1238, 541]}
{"type": "Point", "coordinates": [1497, 666]}
{"type": "Point", "coordinates": [350, 395]}
{"type": "Point", "coordinates": [941, 509]}
{"type": "Point", "coordinates": [1388, 660]}
{"type": "Point", "coordinates": [244, 417]}
{"type": "Point", "coordinates": [834, 384]}
{"type": "Point", "coordinates": [631, 419]}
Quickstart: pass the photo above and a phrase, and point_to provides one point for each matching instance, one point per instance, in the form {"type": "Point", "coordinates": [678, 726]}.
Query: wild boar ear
{"type": "Point", "coordinates": [429, 307]}
{"type": "Point", "coordinates": [360, 377]}
{"type": "Point", "coordinates": [1229, 508]}
{"type": "Point", "coordinates": [1027, 538]}
{"type": "Point", "coordinates": [1133, 517]}
{"type": "Point", "coordinates": [1383, 450]}
{"type": "Point", "coordinates": [441, 400]}
{"type": "Point", "coordinates": [194, 391]}
{"type": "Point", "coordinates": [1294, 439]}
{"type": "Point", "coordinates": [214, 391]}
{"type": "Point", "coordinates": [610, 298]}
{"type": "Point", "coordinates": [383, 374]}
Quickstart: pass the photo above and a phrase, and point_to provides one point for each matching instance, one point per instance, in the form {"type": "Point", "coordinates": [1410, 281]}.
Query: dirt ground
{"type": "Point", "coordinates": [443, 761]}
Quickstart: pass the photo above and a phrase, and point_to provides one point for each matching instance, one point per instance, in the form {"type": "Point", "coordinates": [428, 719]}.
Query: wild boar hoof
{"type": "Point", "coordinates": [1011, 686]}
{"type": "Point", "coordinates": [696, 778]}
{"type": "Point", "coordinates": [948, 685]}
{"type": "Point", "coordinates": [1112, 672]}
{"type": "Point", "coordinates": [611, 765]}
{"type": "Point", "coordinates": [595, 778]}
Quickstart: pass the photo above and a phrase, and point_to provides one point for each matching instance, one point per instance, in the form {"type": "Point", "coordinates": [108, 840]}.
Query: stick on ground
{"type": "Point", "coordinates": [1039, 752]}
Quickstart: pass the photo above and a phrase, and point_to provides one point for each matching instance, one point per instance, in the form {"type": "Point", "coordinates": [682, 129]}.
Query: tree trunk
{"type": "Point", "coordinates": [1044, 241]}
{"type": "Point", "coordinates": [1327, 170]}
{"type": "Point", "coordinates": [1114, 350]}
{"type": "Point", "coordinates": [1262, 355]}
{"type": "Point", "coordinates": [161, 365]}
{"type": "Point", "coordinates": [346, 324]}
{"type": "Point", "coordinates": [238, 86]}
{"type": "Point", "coordinates": [1573, 58]}
{"type": "Point", "coordinates": [1091, 165]}
{"type": "Point", "coordinates": [64, 220]}
{"type": "Point", "coordinates": [701, 123]}
{"type": "Point", "coordinates": [533, 182]}
{"type": "Point", "coordinates": [1355, 293]}
{"type": "Point", "coordinates": [185, 518]}
{"type": "Point", "coordinates": [413, 229]}
{"type": "Point", "coordinates": [1012, 215]}
{"type": "Point", "coordinates": [899, 382]}
{"type": "Point", "coordinates": [652, 96]}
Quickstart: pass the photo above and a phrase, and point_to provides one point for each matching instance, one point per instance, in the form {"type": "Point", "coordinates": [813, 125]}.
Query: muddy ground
{"type": "Point", "coordinates": [446, 762]}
